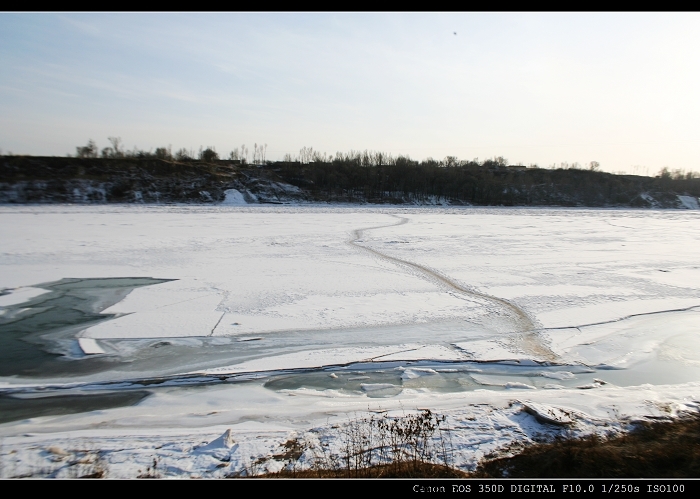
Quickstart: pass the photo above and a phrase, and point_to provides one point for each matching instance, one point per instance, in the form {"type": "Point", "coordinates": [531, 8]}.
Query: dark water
{"type": "Point", "coordinates": [14, 408]}
{"type": "Point", "coordinates": [34, 335]}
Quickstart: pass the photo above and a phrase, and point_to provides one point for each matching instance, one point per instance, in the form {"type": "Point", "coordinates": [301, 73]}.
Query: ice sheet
{"type": "Point", "coordinates": [249, 272]}
{"type": "Point", "coordinates": [20, 295]}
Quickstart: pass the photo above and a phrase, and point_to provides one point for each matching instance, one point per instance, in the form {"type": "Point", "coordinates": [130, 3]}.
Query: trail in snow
{"type": "Point", "coordinates": [529, 339]}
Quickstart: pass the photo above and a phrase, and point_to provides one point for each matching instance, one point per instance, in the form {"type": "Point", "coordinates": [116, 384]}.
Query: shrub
{"type": "Point", "coordinates": [209, 154]}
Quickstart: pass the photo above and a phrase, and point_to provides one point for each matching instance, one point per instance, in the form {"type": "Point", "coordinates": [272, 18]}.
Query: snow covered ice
{"type": "Point", "coordinates": [273, 323]}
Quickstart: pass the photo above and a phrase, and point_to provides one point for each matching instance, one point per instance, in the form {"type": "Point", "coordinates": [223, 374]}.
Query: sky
{"type": "Point", "coordinates": [536, 88]}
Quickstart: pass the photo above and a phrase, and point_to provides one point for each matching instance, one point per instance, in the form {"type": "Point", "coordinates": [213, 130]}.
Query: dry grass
{"type": "Point", "coordinates": [654, 450]}
{"type": "Point", "coordinates": [415, 445]}
{"type": "Point", "coordinates": [393, 470]}
{"type": "Point", "coordinates": [151, 471]}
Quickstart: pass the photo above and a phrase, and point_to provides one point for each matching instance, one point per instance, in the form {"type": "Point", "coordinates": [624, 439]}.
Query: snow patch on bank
{"type": "Point", "coordinates": [233, 197]}
{"type": "Point", "coordinates": [689, 202]}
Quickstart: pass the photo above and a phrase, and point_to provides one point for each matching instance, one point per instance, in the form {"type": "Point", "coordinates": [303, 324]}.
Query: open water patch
{"type": "Point", "coordinates": [13, 408]}
{"type": "Point", "coordinates": [38, 336]}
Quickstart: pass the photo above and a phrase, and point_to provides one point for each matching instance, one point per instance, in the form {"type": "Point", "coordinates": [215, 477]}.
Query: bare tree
{"type": "Point", "coordinates": [88, 151]}
{"type": "Point", "coordinates": [306, 155]}
{"type": "Point", "coordinates": [451, 161]}
{"type": "Point", "coordinates": [116, 146]}
{"type": "Point", "coordinates": [183, 155]}
{"type": "Point", "coordinates": [163, 153]}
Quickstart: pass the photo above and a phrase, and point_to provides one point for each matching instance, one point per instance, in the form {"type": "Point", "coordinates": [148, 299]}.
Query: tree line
{"type": "Point", "coordinates": [116, 150]}
{"type": "Point", "coordinates": [379, 177]}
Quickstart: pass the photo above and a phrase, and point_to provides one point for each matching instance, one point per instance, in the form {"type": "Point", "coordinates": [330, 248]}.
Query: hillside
{"type": "Point", "coordinates": [31, 179]}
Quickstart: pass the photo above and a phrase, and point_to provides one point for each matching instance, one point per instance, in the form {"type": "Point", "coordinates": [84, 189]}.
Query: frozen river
{"type": "Point", "coordinates": [145, 331]}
